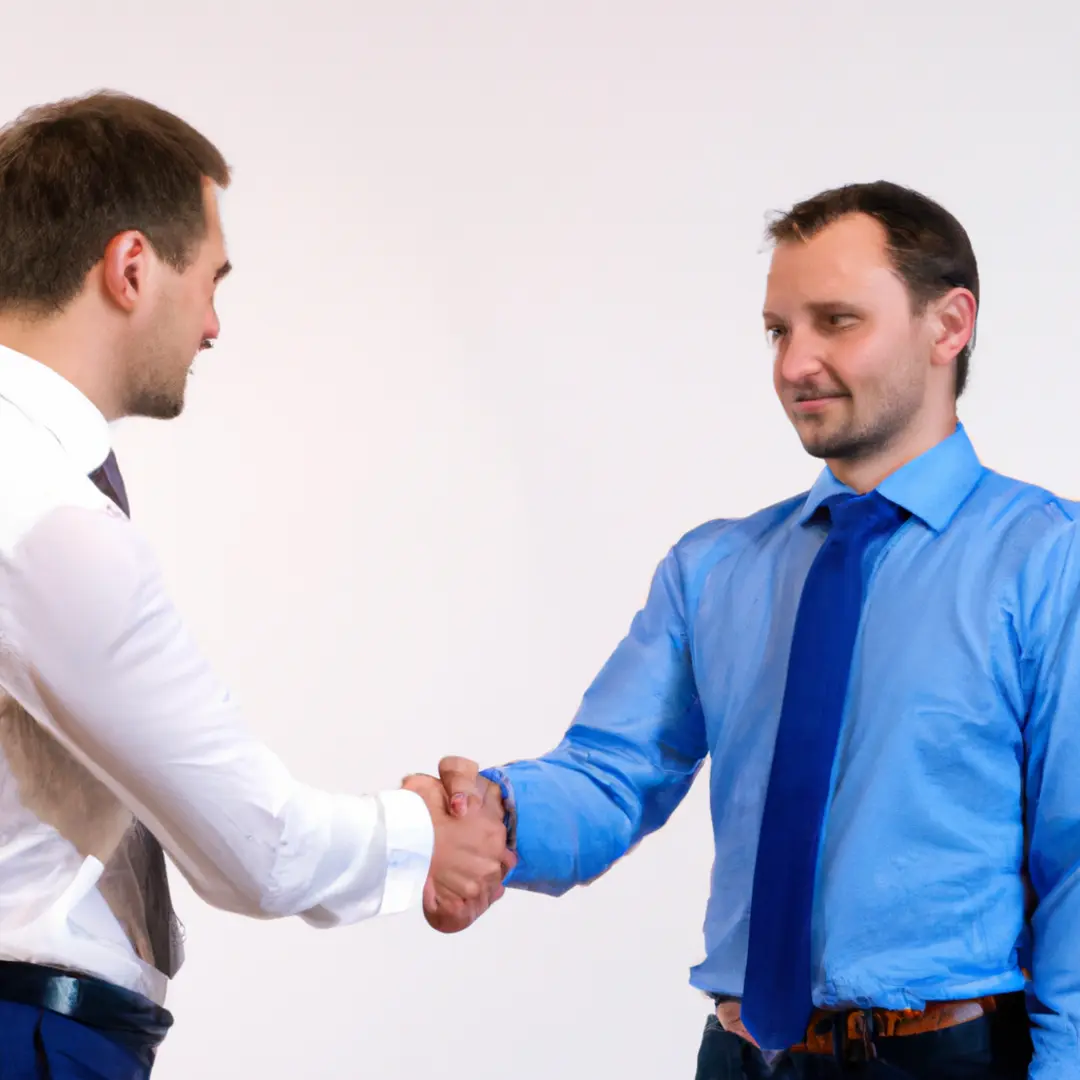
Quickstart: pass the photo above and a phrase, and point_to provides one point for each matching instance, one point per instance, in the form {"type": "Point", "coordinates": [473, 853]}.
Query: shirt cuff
{"type": "Point", "coordinates": [497, 776]}
{"type": "Point", "coordinates": [410, 840]}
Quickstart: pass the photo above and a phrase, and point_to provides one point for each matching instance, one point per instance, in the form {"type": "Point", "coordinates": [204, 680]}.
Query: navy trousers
{"type": "Point", "coordinates": [996, 1047]}
{"type": "Point", "coordinates": [36, 1044]}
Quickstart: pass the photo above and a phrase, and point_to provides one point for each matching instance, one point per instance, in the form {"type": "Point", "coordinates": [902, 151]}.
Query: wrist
{"type": "Point", "coordinates": [500, 783]}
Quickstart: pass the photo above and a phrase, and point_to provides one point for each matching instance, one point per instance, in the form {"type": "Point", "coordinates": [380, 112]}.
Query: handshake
{"type": "Point", "coordinates": [470, 858]}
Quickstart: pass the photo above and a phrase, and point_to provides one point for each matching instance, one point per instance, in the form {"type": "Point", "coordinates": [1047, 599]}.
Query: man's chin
{"type": "Point", "coordinates": [832, 446]}
{"type": "Point", "coordinates": [816, 451]}
{"type": "Point", "coordinates": [157, 406]}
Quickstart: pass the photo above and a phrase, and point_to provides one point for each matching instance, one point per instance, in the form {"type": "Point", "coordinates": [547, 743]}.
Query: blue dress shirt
{"type": "Point", "coordinates": [959, 752]}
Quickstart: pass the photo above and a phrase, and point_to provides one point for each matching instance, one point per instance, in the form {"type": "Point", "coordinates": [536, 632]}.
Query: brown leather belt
{"type": "Point", "coordinates": [860, 1027]}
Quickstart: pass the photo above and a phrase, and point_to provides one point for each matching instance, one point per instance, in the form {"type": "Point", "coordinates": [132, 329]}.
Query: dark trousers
{"type": "Point", "coordinates": [994, 1047]}
{"type": "Point", "coordinates": [36, 1044]}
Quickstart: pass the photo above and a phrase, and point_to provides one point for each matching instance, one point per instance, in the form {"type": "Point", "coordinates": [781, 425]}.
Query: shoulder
{"type": "Point", "coordinates": [1008, 499]}
{"type": "Point", "coordinates": [1025, 540]}
{"type": "Point", "coordinates": [726, 537]}
{"type": "Point", "coordinates": [701, 550]}
{"type": "Point", "coordinates": [1019, 517]}
{"type": "Point", "coordinates": [38, 478]}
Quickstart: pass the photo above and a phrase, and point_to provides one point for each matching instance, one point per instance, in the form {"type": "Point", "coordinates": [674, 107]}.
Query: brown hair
{"type": "Point", "coordinates": [75, 173]}
{"type": "Point", "coordinates": [929, 248]}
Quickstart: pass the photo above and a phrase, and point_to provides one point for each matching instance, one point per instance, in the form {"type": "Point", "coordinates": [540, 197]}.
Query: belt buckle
{"type": "Point", "coordinates": [853, 1037]}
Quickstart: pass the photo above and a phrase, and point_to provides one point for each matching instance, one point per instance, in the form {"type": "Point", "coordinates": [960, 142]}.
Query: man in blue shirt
{"type": "Point", "coordinates": [885, 675]}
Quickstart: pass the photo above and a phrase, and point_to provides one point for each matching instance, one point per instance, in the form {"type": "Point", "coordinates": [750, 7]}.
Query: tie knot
{"type": "Point", "coordinates": [861, 513]}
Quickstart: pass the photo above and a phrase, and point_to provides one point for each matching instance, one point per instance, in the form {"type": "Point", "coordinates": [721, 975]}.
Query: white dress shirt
{"type": "Point", "coordinates": [109, 713]}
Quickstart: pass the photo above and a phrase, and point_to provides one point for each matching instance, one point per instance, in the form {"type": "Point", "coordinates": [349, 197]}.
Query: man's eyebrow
{"type": "Point", "coordinates": [831, 307]}
{"type": "Point", "coordinates": [818, 307]}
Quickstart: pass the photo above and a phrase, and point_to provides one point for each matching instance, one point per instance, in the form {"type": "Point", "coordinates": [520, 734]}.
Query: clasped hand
{"type": "Point", "coordinates": [470, 858]}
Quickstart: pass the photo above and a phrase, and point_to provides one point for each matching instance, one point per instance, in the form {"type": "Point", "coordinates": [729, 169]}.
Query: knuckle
{"type": "Point", "coordinates": [455, 763]}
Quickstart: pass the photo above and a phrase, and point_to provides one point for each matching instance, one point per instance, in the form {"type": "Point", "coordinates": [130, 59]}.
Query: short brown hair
{"type": "Point", "coordinates": [75, 173]}
{"type": "Point", "coordinates": [929, 248]}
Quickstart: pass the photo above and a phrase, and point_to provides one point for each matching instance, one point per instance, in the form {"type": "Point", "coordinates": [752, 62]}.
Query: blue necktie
{"type": "Point", "coordinates": [777, 994]}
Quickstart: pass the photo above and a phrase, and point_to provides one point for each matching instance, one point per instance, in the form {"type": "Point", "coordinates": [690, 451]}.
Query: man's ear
{"type": "Point", "coordinates": [953, 326]}
{"type": "Point", "coordinates": [125, 268]}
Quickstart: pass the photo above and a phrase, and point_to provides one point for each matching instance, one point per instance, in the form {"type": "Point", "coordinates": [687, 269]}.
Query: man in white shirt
{"type": "Point", "coordinates": [116, 738]}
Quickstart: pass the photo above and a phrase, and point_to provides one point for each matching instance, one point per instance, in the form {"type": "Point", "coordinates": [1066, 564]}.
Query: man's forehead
{"type": "Point", "coordinates": [215, 237]}
{"type": "Point", "coordinates": [854, 237]}
{"type": "Point", "coordinates": [841, 255]}
{"type": "Point", "coordinates": [212, 203]}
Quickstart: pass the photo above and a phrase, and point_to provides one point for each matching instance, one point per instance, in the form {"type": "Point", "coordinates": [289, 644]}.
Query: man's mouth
{"type": "Point", "coordinates": [807, 403]}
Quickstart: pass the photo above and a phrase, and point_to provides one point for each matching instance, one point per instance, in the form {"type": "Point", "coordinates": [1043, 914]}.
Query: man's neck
{"type": "Point", "coordinates": [60, 344]}
{"type": "Point", "coordinates": [865, 474]}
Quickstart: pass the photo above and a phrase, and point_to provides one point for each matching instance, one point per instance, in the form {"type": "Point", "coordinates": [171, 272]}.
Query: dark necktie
{"type": "Point", "coordinates": [146, 855]}
{"type": "Point", "coordinates": [777, 995]}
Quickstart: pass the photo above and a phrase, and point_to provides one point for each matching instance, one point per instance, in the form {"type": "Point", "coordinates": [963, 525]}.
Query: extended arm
{"type": "Point", "coordinates": [624, 765]}
{"type": "Point", "coordinates": [114, 676]}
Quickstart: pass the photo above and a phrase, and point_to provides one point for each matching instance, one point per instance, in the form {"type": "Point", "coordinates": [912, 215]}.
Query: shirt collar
{"type": "Point", "coordinates": [932, 487]}
{"type": "Point", "coordinates": [50, 401]}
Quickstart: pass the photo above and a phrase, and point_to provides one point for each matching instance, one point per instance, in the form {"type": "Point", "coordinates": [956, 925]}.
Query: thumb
{"type": "Point", "coordinates": [431, 900]}
{"type": "Point", "coordinates": [461, 778]}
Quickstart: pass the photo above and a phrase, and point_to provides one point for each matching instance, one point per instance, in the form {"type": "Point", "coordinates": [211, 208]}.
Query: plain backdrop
{"type": "Point", "coordinates": [492, 344]}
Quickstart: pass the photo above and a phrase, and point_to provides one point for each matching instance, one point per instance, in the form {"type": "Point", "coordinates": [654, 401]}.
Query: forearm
{"type": "Point", "coordinates": [1057, 1056]}
{"type": "Point", "coordinates": [332, 860]}
{"type": "Point", "coordinates": [574, 812]}
{"type": "Point", "coordinates": [564, 829]}
{"type": "Point", "coordinates": [1054, 1000]}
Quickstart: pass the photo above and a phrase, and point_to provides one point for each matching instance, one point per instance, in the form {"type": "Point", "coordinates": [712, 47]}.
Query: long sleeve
{"type": "Point", "coordinates": [626, 762]}
{"type": "Point", "coordinates": [114, 676]}
{"type": "Point", "coordinates": [1052, 780]}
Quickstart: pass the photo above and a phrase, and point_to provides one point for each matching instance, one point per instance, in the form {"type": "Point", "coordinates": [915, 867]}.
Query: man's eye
{"type": "Point", "coordinates": [841, 319]}
{"type": "Point", "coordinates": [773, 334]}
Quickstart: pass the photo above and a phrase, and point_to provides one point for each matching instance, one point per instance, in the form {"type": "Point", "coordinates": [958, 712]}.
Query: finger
{"type": "Point", "coordinates": [741, 1030]}
{"type": "Point", "coordinates": [448, 916]}
{"type": "Point", "coordinates": [431, 898]}
{"type": "Point", "coordinates": [451, 924]}
{"type": "Point", "coordinates": [469, 874]}
{"type": "Point", "coordinates": [417, 782]}
{"type": "Point", "coordinates": [472, 882]}
{"type": "Point", "coordinates": [492, 798]}
{"type": "Point", "coordinates": [460, 777]}
{"type": "Point", "coordinates": [455, 915]}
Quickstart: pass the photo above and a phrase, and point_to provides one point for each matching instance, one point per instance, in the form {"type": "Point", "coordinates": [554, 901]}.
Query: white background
{"type": "Point", "coordinates": [492, 344]}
